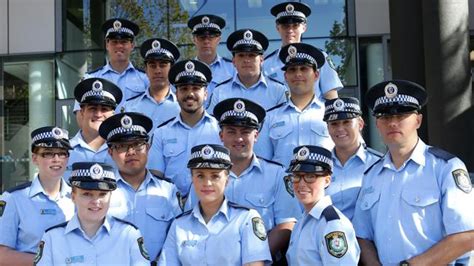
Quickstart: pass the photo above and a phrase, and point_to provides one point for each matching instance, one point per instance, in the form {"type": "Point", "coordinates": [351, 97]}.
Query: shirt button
{"type": "Point", "coordinates": [417, 199]}
{"type": "Point", "coordinates": [162, 217]}
{"type": "Point", "coordinates": [261, 200]}
{"type": "Point", "coordinates": [366, 204]}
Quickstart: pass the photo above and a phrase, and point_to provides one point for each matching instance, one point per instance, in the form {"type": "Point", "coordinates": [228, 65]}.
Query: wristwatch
{"type": "Point", "coordinates": [404, 263]}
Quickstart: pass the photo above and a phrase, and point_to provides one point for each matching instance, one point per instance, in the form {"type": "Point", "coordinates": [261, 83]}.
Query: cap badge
{"type": "Point", "coordinates": [117, 25]}
{"type": "Point", "coordinates": [302, 154]}
{"type": "Point", "coordinates": [126, 122]}
{"type": "Point", "coordinates": [292, 51]}
{"type": "Point", "coordinates": [391, 90]}
{"type": "Point", "coordinates": [189, 67]}
{"type": "Point", "coordinates": [57, 133]}
{"type": "Point", "coordinates": [205, 20]}
{"type": "Point", "coordinates": [290, 8]}
{"type": "Point", "coordinates": [248, 35]}
{"type": "Point", "coordinates": [97, 85]}
{"type": "Point", "coordinates": [239, 106]}
{"type": "Point", "coordinates": [207, 152]}
{"type": "Point", "coordinates": [156, 44]}
{"type": "Point", "coordinates": [338, 105]}
{"type": "Point", "coordinates": [96, 171]}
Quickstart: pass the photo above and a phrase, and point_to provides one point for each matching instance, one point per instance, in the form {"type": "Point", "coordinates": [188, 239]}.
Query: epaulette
{"type": "Point", "coordinates": [237, 206]}
{"type": "Point", "coordinates": [275, 107]}
{"type": "Point", "coordinates": [21, 186]}
{"type": "Point", "coordinates": [330, 213]}
{"type": "Point", "coordinates": [125, 222]}
{"type": "Point", "coordinates": [270, 54]}
{"type": "Point", "coordinates": [140, 70]}
{"type": "Point", "coordinates": [184, 214]}
{"type": "Point", "coordinates": [224, 82]}
{"type": "Point", "coordinates": [440, 153]}
{"type": "Point", "coordinates": [270, 161]}
{"type": "Point", "coordinates": [95, 70]}
{"type": "Point", "coordinates": [276, 80]}
{"type": "Point", "coordinates": [374, 152]}
{"type": "Point", "coordinates": [134, 97]}
{"type": "Point", "coordinates": [226, 59]}
{"type": "Point", "coordinates": [159, 175]}
{"type": "Point", "coordinates": [56, 226]}
{"type": "Point", "coordinates": [370, 167]}
{"type": "Point", "coordinates": [166, 122]}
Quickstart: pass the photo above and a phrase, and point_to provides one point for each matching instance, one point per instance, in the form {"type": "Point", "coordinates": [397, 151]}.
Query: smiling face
{"type": "Point", "coordinates": [131, 157]}
{"type": "Point", "coordinates": [91, 205]}
{"type": "Point", "coordinates": [291, 33]}
{"type": "Point", "coordinates": [239, 140]}
{"type": "Point", "coordinates": [300, 79]}
{"type": "Point", "coordinates": [309, 193]}
{"type": "Point", "coordinates": [191, 97]}
{"type": "Point", "coordinates": [346, 132]}
{"type": "Point", "coordinates": [119, 50]}
{"type": "Point", "coordinates": [50, 167]}
{"type": "Point", "coordinates": [209, 185]}
{"type": "Point", "coordinates": [92, 116]}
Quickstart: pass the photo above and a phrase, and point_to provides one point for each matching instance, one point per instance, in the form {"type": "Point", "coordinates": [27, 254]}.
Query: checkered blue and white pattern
{"type": "Point", "coordinates": [398, 98]}
{"type": "Point", "coordinates": [248, 42]}
{"type": "Point", "coordinates": [48, 135]}
{"type": "Point", "coordinates": [100, 93]}
{"type": "Point", "coordinates": [87, 172]}
{"type": "Point", "coordinates": [210, 25]}
{"type": "Point", "coordinates": [120, 30]}
{"type": "Point", "coordinates": [233, 113]}
{"type": "Point", "coordinates": [121, 130]}
{"type": "Point", "coordinates": [302, 56]}
{"type": "Point", "coordinates": [215, 155]}
{"type": "Point", "coordinates": [315, 157]}
{"type": "Point", "coordinates": [348, 107]}
{"type": "Point", "coordinates": [292, 14]}
{"type": "Point", "coordinates": [159, 51]}
{"type": "Point", "coordinates": [189, 74]}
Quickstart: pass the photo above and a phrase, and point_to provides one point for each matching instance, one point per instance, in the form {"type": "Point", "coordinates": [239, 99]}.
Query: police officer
{"type": "Point", "coordinates": [143, 198]}
{"type": "Point", "coordinates": [92, 237]}
{"type": "Point", "coordinates": [247, 47]}
{"type": "Point", "coordinates": [291, 23]}
{"type": "Point", "coordinates": [173, 140]}
{"type": "Point", "coordinates": [119, 43]}
{"type": "Point", "coordinates": [413, 205]}
{"type": "Point", "coordinates": [158, 102]}
{"type": "Point", "coordinates": [98, 99]}
{"type": "Point", "coordinates": [324, 235]}
{"type": "Point", "coordinates": [350, 156]}
{"type": "Point", "coordinates": [29, 209]}
{"type": "Point", "coordinates": [216, 231]}
{"type": "Point", "coordinates": [207, 30]}
{"type": "Point", "coordinates": [296, 122]}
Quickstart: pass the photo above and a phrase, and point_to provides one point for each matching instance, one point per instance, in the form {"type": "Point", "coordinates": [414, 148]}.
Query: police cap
{"type": "Point", "coordinates": [311, 159]}
{"type": "Point", "coordinates": [301, 54]}
{"type": "Point", "coordinates": [206, 24]}
{"type": "Point", "coordinates": [209, 156]}
{"type": "Point", "coordinates": [98, 91]}
{"type": "Point", "coordinates": [239, 112]}
{"type": "Point", "coordinates": [50, 137]}
{"type": "Point", "coordinates": [126, 126]}
{"type": "Point", "coordinates": [93, 176]}
{"type": "Point", "coordinates": [159, 49]}
{"type": "Point", "coordinates": [189, 72]}
{"type": "Point", "coordinates": [291, 12]}
{"type": "Point", "coordinates": [247, 40]}
{"type": "Point", "coordinates": [341, 108]}
{"type": "Point", "coordinates": [119, 28]}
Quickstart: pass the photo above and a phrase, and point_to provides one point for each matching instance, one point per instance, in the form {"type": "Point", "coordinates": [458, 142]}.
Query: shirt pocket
{"type": "Point", "coordinates": [320, 129]}
{"type": "Point", "coordinates": [419, 197]}
{"type": "Point", "coordinates": [174, 149]}
{"type": "Point", "coordinates": [369, 200]}
{"type": "Point", "coordinates": [280, 129]}
{"type": "Point", "coordinates": [263, 203]}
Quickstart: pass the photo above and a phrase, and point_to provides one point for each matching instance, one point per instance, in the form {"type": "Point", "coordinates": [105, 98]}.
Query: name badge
{"type": "Point", "coordinates": [369, 190]}
{"type": "Point", "coordinates": [74, 259]}
{"type": "Point", "coordinates": [278, 124]}
{"type": "Point", "coordinates": [171, 141]}
{"type": "Point", "coordinates": [48, 211]}
{"type": "Point", "coordinates": [189, 243]}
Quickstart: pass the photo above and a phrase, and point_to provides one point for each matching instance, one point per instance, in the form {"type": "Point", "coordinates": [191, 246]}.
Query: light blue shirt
{"type": "Point", "coordinates": [266, 92]}
{"type": "Point", "coordinates": [317, 240]}
{"type": "Point", "coordinates": [152, 208]}
{"type": "Point", "coordinates": [131, 81]}
{"type": "Point", "coordinates": [287, 127]}
{"type": "Point", "coordinates": [82, 152]}
{"type": "Point", "coordinates": [229, 238]}
{"type": "Point", "coordinates": [406, 211]}
{"type": "Point", "coordinates": [115, 243]}
{"type": "Point", "coordinates": [346, 179]}
{"type": "Point", "coordinates": [261, 187]}
{"type": "Point", "coordinates": [159, 112]}
{"type": "Point", "coordinates": [222, 69]}
{"type": "Point", "coordinates": [29, 211]}
{"type": "Point", "coordinates": [172, 145]}
{"type": "Point", "coordinates": [328, 77]}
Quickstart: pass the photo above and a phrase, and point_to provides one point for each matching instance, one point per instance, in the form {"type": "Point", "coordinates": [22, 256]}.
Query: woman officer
{"type": "Point", "coordinates": [215, 231]}
{"type": "Point", "coordinates": [92, 237]}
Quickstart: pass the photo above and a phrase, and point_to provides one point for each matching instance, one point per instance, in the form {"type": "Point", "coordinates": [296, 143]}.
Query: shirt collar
{"type": "Point", "coordinates": [360, 153]}
{"type": "Point", "coordinates": [143, 185]}
{"type": "Point", "coordinates": [37, 188]}
{"type": "Point", "coordinates": [313, 103]}
{"type": "Point", "coordinates": [74, 224]}
{"type": "Point", "coordinates": [78, 140]}
{"type": "Point", "coordinates": [261, 80]}
{"type": "Point", "coordinates": [318, 209]}
{"type": "Point", "coordinates": [255, 163]}
{"type": "Point", "coordinates": [224, 210]}
{"type": "Point", "coordinates": [205, 117]}
{"type": "Point", "coordinates": [170, 96]}
{"type": "Point", "coordinates": [217, 60]}
{"type": "Point", "coordinates": [108, 68]}
{"type": "Point", "coordinates": [417, 156]}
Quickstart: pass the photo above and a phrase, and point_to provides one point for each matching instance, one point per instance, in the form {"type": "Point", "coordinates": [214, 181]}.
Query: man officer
{"type": "Point", "coordinates": [158, 102]}
{"type": "Point", "coordinates": [247, 47]}
{"type": "Point", "coordinates": [413, 207]}
{"type": "Point", "coordinates": [291, 18]}
{"type": "Point", "coordinates": [173, 139]}
{"type": "Point", "coordinates": [142, 198]}
{"type": "Point", "coordinates": [207, 31]}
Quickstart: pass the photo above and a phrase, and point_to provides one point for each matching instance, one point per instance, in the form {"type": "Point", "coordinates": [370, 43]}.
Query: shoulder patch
{"type": "Point", "coordinates": [330, 213]}
{"type": "Point", "coordinates": [184, 214]}
{"type": "Point", "coordinates": [166, 122]}
{"type": "Point", "coordinates": [270, 161]}
{"type": "Point", "coordinates": [224, 82]}
{"type": "Point", "coordinates": [95, 70]}
{"type": "Point", "coordinates": [3, 204]}
{"type": "Point", "coordinates": [289, 185]}
{"type": "Point", "coordinates": [440, 153]}
{"type": "Point", "coordinates": [39, 253]}
{"type": "Point", "coordinates": [336, 244]}
{"type": "Point", "coordinates": [159, 175]}
{"type": "Point", "coordinates": [259, 228]}
{"type": "Point", "coordinates": [56, 226]}
{"type": "Point", "coordinates": [134, 97]}
{"type": "Point", "coordinates": [374, 152]}
{"type": "Point", "coordinates": [237, 206]}
{"type": "Point", "coordinates": [462, 180]}
{"type": "Point", "coordinates": [270, 54]}
{"type": "Point", "coordinates": [22, 186]}
{"type": "Point", "coordinates": [226, 59]}
{"type": "Point", "coordinates": [370, 167]}
{"type": "Point", "coordinates": [125, 222]}
{"type": "Point", "coordinates": [275, 107]}
{"type": "Point", "coordinates": [141, 246]}
{"type": "Point", "coordinates": [275, 80]}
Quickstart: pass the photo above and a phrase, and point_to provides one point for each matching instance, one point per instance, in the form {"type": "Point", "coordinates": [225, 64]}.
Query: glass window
{"type": "Point", "coordinates": [327, 19]}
